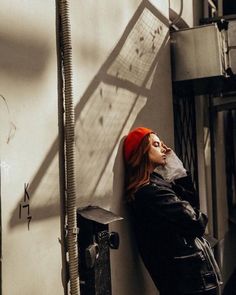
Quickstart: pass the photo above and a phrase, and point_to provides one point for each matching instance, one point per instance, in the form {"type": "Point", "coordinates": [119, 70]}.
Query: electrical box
{"type": "Point", "coordinates": [197, 53]}
{"type": "Point", "coordinates": [205, 56]}
{"type": "Point", "coordinates": [94, 243]}
{"type": "Point", "coordinates": [232, 45]}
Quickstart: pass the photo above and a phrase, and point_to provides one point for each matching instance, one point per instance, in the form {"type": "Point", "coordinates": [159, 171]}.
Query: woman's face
{"type": "Point", "coordinates": [157, 151]}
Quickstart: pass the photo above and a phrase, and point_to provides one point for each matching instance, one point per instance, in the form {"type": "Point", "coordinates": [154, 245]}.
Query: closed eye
{"type": "Point", "coordinates": [156, 144]}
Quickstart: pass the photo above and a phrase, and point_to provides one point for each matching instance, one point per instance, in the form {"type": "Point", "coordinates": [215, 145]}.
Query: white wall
{"type": "Point", "coordinates": [112, 97]}
{"type": "Point", "coordinates": [104, 33]}
{"type": "Point", "coordinates": [31, 261]}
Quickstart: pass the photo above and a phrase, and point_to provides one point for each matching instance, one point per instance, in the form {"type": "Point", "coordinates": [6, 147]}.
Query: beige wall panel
{"type": "Point", "coordinates": [111, 97]}
{"type": "Point", "coordinates": [122, 80]}
{"type": "Point", "coordinates": [31, 262]}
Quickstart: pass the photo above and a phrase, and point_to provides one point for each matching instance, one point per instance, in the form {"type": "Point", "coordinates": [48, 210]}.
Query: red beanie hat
{"type": "Point", "coordinates": [133, 140]}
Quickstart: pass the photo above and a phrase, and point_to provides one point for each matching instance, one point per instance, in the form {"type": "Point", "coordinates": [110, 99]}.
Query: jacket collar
{"type": "Point", "coordinates": [159, 180]}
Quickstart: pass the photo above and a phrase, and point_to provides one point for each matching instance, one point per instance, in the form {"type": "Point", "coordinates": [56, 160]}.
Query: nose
{"type": "Point", "coordinates": [163, 149]}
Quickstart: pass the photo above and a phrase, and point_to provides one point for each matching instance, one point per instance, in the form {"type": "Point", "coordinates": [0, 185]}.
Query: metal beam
{"type": "Point", "coordinates": [224, 103]}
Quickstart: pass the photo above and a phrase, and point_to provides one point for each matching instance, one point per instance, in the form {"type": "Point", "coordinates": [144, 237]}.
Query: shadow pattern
{"type": "Point", "coordinates": [103, 115]}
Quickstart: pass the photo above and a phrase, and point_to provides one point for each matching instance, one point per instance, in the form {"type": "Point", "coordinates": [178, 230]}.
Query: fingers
{"type": "Point", "coordinates": [165, 147]}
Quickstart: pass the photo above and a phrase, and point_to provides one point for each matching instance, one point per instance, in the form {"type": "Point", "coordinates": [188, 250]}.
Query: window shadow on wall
{"type": "Point", "coordinates": [104, 113]}
{"type": "Point", "coordinates": [107, 108]}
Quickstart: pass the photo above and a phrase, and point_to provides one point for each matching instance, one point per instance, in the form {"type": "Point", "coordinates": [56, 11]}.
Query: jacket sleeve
{"type": "Point", "coordinates": [163, 205]}
{"type": "Point", "coordinates": [184, 188]}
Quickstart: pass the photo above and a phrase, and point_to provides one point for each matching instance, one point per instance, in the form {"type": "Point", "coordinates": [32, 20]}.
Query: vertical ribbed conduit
{"type": "Point", "coordinates": [69, 147]}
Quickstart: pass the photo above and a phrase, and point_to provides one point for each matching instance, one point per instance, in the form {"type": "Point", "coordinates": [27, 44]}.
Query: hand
{"type": "Point", "coordinates": [173, 169]}
{"type": "Point", "coordinates": [167, 149]}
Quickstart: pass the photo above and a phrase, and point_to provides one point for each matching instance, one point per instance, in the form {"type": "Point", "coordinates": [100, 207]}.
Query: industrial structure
{"type": "Point", "coordinates": [76, 76]}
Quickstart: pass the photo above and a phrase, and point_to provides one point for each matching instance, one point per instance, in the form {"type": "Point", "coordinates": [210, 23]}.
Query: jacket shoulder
{"type": "Point", "coordinates": [155, 191]}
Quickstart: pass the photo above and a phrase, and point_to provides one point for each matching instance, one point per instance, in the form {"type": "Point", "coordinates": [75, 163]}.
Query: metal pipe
{"type": "Point", "coordinates": [177, 19]}
{"type": "Point", "coordinates": [214, 11]}
{"type": "Point", "coordinates": [212, 115]}
{"type": "Point", "coordinates": [61, 144]}
{"type": "Point", "coordinates": [69, 146]}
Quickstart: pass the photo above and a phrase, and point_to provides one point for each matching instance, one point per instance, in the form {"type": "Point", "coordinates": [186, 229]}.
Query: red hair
{"type": "Point", "coordinates": [138, 167]}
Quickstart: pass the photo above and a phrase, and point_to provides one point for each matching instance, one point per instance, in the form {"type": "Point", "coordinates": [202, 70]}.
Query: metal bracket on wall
{"type": "Point", "coordinates": [224, 103]}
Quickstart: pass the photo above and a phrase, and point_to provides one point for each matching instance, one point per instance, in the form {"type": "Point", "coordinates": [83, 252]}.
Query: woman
{"type": "Point", "coordinates": [168, 228]}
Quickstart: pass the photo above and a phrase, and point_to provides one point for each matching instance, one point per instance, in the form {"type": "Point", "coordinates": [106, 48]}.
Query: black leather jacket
{"type": "Point", "coordinates": [166, 225]}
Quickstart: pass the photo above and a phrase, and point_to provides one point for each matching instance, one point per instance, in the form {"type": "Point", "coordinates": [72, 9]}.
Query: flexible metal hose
{"type": "Point", "coordinates": [177, 19]}
{"type": "Point", "coordinates": [69, 148]}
